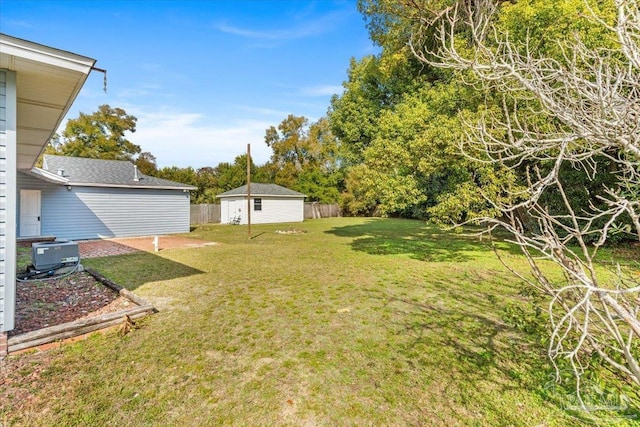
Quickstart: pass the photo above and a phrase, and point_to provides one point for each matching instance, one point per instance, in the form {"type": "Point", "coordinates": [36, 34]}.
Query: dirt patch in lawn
{"type": "Point", "coordinates": [122, 246]}
{"type": "Point", "coordinates": [20, 378]}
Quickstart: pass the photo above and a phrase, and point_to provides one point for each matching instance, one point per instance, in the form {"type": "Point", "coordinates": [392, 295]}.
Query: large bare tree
{"type": "Point", "coordinates": [586, 106]}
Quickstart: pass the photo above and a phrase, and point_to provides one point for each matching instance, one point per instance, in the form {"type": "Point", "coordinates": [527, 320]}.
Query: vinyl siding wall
{"type": "Point", "coordinates": [274, 210]}
{"type": "Point", "coordinates": [7, 199]}
{"type": "Point", "coordinates": [93, 212]}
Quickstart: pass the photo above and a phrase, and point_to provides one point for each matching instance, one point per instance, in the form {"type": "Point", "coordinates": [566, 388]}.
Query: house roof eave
{"type": "Point", "coordinates": [45, 176]}
{"type": "Point", "coordinates": [50, 80]}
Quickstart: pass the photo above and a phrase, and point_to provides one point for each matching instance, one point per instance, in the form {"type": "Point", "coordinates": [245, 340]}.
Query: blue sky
{"type": "Point", "coordinates": [204, 78]}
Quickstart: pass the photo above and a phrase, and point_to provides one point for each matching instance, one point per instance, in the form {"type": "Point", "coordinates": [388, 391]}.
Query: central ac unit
{"type": "Point", "coordinates": [50, 255]}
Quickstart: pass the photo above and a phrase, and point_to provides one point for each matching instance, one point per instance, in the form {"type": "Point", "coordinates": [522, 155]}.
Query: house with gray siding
{"type": "Point", "coordinates": [38, 84]}
{"type": "Point", "coordinates": [269, 203]}
{"type": "Point", "coordinates": [77, 198]}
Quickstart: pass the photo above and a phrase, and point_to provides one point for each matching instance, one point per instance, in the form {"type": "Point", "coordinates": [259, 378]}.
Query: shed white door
{"type": "Point", "coordinates": [235, 211]}
{"type": "Point", "coordinates": [29, 213]}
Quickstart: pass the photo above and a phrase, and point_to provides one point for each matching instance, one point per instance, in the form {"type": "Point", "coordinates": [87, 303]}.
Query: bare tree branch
{"type": "Point", "coordinates": [590, 99]}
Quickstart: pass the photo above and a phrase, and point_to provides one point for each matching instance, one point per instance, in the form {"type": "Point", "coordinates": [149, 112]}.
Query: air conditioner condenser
{"type": "Point", "coordinates": [49, 255]}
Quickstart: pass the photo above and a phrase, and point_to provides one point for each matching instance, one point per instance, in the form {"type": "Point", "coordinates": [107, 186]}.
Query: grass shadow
{"type": "Point", "coordinates": [471, 336]}
{"type": "Point", "coordinates": [453, 334]}
{"type": "Point", "coordinates": [416, 239]}
{"type": "Point", "coordinates": [478, 345]}
{"type": "Point", "coordinates": [134, 270]}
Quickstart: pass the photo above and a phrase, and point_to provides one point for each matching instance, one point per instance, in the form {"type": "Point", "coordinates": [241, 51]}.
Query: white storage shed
{"type": "Point", "coordinates": [270, 203]}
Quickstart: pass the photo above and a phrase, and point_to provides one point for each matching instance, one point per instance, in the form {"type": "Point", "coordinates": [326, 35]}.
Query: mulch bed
{"type": "Point", "coordinates": [41, 304]}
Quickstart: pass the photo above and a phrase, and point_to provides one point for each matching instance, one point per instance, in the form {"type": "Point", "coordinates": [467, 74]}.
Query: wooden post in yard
{"type": "Point", "coordinates": [249, 189]}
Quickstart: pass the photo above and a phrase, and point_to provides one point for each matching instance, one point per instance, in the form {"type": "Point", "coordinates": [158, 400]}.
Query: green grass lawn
{"type": "Point", "coordinates": [355, 322]}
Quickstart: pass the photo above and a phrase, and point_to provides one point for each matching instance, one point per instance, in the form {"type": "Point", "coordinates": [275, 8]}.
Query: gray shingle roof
{"type": "Point", "coordinates": [258, 189]}
{"type": "Point", "coordinates": [110, 173]}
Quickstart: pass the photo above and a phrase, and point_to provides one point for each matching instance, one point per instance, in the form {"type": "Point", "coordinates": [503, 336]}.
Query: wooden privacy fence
{"type": "Point", "coordinates": [205, 214]}
{"type": "Point", "coordinates": [209, 213]}
{"type": "Point", "coordinates": [317, 210]}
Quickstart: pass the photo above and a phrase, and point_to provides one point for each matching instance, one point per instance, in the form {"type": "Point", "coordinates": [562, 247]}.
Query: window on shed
{"type": "Point", "coordinates": [257, 204]}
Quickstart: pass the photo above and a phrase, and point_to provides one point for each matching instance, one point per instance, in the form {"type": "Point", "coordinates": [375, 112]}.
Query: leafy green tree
{"type": "Point", "coordinates": [183, 175]}
{"type": "Point", "coordinates": [146, 163]}
{"type": "Point", "coordinates": [229, 176]}
{"type": "Point", "coordinates": [547, 22]}
{"type": "Point", "coordinates": [233, 175]}
{"type": "Point", "coordinates": [290, 144]}
{"type": "Point", "coordinates": [211, 181]}
{"type": "Point", "coordinates": [377, 83]}
{"type": "Point", "coordinates": [306, 158]}
{"type": "Point", "coordinates": [399, 118]}
{"type": "Point", "coordinates": [319, 186]}
{"type": "Point", "coordinates": [207, 182]}
{"type": "Point", "coordinates": [413, 167]}
{"type": "Point", "coordinates": [360, 197]}
{"type": "Point", "coordinates": [100, 135]}
{"type": "Point", "coordinates": [353, 115]}
{"type": "Point", "coordinates": [396, 122]}
{"type": "Point", "coordinates": [330, 154]}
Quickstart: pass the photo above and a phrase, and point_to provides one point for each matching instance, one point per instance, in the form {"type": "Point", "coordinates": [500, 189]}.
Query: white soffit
{"type": "Point", "coordinates": [48, 81]}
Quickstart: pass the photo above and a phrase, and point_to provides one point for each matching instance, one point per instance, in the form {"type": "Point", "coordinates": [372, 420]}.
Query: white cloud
{"type": "Point", "coordinates": [326, 90]}
{"type": "Point", "coordinates": [20, 24]}
{"type": "Point", "coordinates": [183, 139]}
{"type": "Point", "coordinates": [138, 92]}
{"type": "Point", "coordinates": [321, 25]}
{"type": "Point", "coordinates": [270, 112]}
{"type": "Point", "coordinates": [256, 34]}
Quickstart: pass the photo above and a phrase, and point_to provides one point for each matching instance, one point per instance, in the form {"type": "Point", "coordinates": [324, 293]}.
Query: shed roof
{"type": "Point", "coordinates": [258, 189]}
{"type": "Point", "coordinates": [100, 173]}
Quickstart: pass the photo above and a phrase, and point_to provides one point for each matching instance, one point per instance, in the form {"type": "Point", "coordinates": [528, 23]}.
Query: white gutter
{"type": "Point", "coordinates": [47, 55]}
{"type": "Point", "coordinates": [157, 187]}
{"type": "Point", "coordinates": [49, 176]}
